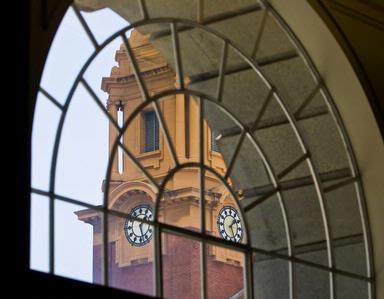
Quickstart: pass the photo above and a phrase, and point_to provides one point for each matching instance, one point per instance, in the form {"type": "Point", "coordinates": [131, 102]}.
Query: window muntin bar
{"type": "Point", "coordinates": [64, 108]}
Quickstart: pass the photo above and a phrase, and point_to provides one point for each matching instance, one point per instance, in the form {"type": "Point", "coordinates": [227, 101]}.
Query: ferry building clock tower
{"type": "Point", "coordinates": [131, 242]}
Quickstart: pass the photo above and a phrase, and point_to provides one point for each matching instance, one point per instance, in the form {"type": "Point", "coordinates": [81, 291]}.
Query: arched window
{"type": "Point", "coordinates": [279, 214]}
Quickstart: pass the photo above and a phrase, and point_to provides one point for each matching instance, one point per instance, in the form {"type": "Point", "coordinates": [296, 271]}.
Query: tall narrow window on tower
{"type": "Point", "coordinates": [120, 121]}
{"type": "Point", "coordinates": [214, 145]}
{"type": "Point", "coordinates": [151, 131]}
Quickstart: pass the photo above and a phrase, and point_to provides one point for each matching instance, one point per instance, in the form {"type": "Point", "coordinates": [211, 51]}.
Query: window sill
{"type": "Point", "coordinates": [150, 154]}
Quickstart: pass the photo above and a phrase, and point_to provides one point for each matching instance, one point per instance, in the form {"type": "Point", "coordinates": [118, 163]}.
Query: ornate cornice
{"type": "Point", "coordinates": [148, 73]}
{"type": "Point", "coordinates": [106, 81]}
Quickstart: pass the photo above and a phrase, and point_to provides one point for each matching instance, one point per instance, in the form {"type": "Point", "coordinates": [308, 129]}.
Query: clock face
{"type": "Point", "coordinates": [138, 233]}
{"type": "Point", "coordinates": [229, 224]}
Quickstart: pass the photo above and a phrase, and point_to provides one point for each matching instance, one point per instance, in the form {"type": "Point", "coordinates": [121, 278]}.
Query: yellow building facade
{"type": "Point", "coordinates": [130, 191]}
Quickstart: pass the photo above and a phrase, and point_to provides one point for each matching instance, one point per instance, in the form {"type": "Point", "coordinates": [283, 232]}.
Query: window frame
{"type": "Point", "coordinates": [124, 292]}
{"type": "Point", "coordinates": [35, 23]}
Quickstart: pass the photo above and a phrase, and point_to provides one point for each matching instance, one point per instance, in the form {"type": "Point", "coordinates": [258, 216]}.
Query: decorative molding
{"type": "Point", "coordinates": [148, 73]}
{"type": "Point", "coordinates": [128, 186]}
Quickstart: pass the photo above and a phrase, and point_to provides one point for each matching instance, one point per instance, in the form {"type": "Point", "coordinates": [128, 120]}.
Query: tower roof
{"type": "Point", "coordinates": [136, 40]}
{"type": "Point", "coordinates": [147, 56]}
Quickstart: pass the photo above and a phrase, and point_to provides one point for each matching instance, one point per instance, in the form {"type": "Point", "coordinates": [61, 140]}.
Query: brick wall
{"type": "Point", "coordinates": [181, 272]}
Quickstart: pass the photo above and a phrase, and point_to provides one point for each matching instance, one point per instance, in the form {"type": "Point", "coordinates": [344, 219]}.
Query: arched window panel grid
{"type": "Point", "coordinates": [246, 133]}
{"type": "Point", "coordinates": [353, 168]}
{"type": "Point", "coordinates": [271, 192]}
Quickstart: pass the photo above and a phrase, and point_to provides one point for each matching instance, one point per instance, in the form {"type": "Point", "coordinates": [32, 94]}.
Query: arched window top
{"type": "Point", "coordinates": [277, 194]}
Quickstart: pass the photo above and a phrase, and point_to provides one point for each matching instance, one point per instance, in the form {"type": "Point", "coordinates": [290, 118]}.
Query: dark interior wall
{"type": "Point", "coordinates": [358, 26]}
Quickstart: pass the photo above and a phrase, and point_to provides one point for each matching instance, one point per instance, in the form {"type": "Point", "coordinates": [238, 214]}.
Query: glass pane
{"type": "Point", "coordinates": [311, 282]}
{"type": "Point", "coordinates": [308, 230]}
{"type": "Point", "coordinates": [249, 91]}
{"type": "Point", "coordinates": [225, 272]}
{"type": "Point", "coordinates": [274, 40]}
{"type": "Point", "coordinates": [293, 89]}
{"type": "Point", "coordinates": [228, 133]}
{"type": "Point", "coordinates": [266, 224]}
{"type": "Point", "coordinates": [181, 267]}
{"type": "Point", "coordinates": [103, 23]}
{"type": "Point", "coordinates": [43, 137]}
{"type": "Point", "coordinates": [218, 7]}
{"type": "Point", "coordinates": [201, 54]}
{"type": "Point", "coordinates": [323, 140]}
{"type": "Point", "coordinates": [346, 227]}
{"type": "Point", "coordinates": [270, 277]}
{"type": "Point", "coordinates": [103, 67]}
{"type": "Point", "coordinates": [280, 144]}
{"type": "Point", "coordinates": [83, 154]}
{"type": "Point", "coordinates": [188, 126]}
{"type": "Point", "coordinates": [207, 86]}
{"type": "Point", "coordinates": [68, 53]}
{"type": "Point", "coordinates": [249, 175]}
{"type": "Point", "coordinates": [130, 246]}
{"type": "Point", "coordinates": [74, 241]}
{"type": "Point", "coordinates": [39, 242]}
{"type": "Point", "coordinates": [186, 9]}
{"type": "Point", "coordinates": [350, 288]}
{"type": "Point", "coordinates": [242, 31]}
{"type": "Point", "coordinates": [155, 72]}
{"type": "Point", "coordinates": [129, 10]}
{"type": "Point", "coordinates": [226, 220]}
{"type": "Point", "coordinates": [351, 257]}
{"type": "Point", "coordinates": [180, 205]}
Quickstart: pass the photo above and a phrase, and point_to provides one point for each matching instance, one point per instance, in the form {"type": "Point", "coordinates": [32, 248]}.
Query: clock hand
{"type": "Point", "coordinates": [231, 225]}
{"type": "Point", "coordinates": [141, 228]}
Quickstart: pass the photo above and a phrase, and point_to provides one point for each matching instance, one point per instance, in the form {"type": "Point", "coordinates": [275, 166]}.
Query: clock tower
{"type": "Point", "coordinates": [130, 242]}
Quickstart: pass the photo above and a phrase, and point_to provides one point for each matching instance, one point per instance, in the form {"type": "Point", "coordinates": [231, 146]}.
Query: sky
{"type": "Point", "coordinates": [83, 151]}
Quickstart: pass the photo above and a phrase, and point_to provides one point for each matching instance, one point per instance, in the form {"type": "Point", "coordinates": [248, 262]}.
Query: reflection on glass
{"type": "Point", "coordinates": [149, 160]}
